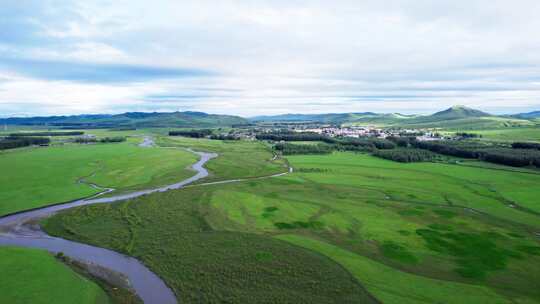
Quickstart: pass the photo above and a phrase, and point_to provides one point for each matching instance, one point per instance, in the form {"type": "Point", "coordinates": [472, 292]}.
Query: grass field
{"type": "Point", "coordinates": [237, 159]}
{"type": "Point", "coordinates": [34, 276]}
{"type": "Point", "coordinates": [409, 233]}
{"type": "Point", "coordinates": [34, 177]}
{"type": "Point", "coordinates": [511, 134]}
{"type": "Point", "coordinates": [470, 123]}
{"type": "Point", "coordinates": [206, 265]}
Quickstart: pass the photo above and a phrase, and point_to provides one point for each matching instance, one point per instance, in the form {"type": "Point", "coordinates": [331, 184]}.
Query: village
{"type": "Point", "coordinates": [371, 131]}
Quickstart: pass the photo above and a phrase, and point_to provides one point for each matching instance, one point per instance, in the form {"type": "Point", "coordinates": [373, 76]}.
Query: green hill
{"type": "Point", "coordinates": [470, 123]}
{"type": "Point", "coordinates": [457, 112]}
{"type": "Point", "coordinates": [323, 118]}
{"type": "Point", "coordinates": [529, 115]}
{"type": "Point", "coordinates": [456, 118]}
{"type": "Point", "coordinates": [336, 118]}
{"type": "Point", "coordinates": [464, 118]}
{"type": "Point", "coordinates": [131, 119]}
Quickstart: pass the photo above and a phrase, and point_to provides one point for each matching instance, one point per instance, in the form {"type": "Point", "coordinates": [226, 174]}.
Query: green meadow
{"type": "Point", "coordinates": [403, 233]}
{"type": "Point", "coordinates": [35, 276]}
{"type": "Point", "coordinates": [237, 159]}
{"type": "Point", "coordinates": [35, 177]}
{"type": "Point", "coordinates": [511, 134]}
{"type": "Point", "coordinates": [205, 264]}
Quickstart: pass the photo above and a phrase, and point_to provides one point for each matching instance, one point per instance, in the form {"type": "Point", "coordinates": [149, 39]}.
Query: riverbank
{"type": "Point", "coordinates": [21, 230]}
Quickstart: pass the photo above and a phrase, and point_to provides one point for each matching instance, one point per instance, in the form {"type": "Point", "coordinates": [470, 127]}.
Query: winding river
{"type": "Point", "coordinates": [20, 230]}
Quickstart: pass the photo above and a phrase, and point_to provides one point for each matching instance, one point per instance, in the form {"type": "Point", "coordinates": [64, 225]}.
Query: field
{"type": "Point", "coordinates": [237, 159]}
{"type": "Point", "coordinates": [216, 265]}
{"type": "Point", "coordinates": [35, 276]}
{"type": "Point", "coordinates": [469, 123]}
{"type": "Point", "coordinates": [60, 173]}
{"type": "Point", "coordinates": [407, 233]}
{"type": "Point", "coordinates": [511, 134]}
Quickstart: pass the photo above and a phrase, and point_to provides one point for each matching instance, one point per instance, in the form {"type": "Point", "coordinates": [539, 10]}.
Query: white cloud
{"type": "Point", "coordinates": [287, 56]}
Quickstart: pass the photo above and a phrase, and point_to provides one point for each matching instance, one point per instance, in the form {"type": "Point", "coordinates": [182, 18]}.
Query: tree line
{"type": "Point", "coordinates": [293, 137]}
{"type": "Point", "coordinates": [515, 156]}
{"type": "Point", "coordinates": [86, 140]}
{"type": "Point", "coordinates": [224, 137]}
{"type": "Point", "coordinates": [123, 129]}
{"type": "Point", "coordinates": [34, 134]}
{"type": "Point", "coordinates": [468, 135]}
{"type": "Point", "coordinates": [293, 149]}
{"type": "Point", "coordinates": [342, 143]}
{"type": "Point", "coordinates": [406, 155]}
{"type": "Point", "coordinates": [192, 133]}
{"type": "Point", "coordinates": [447, 148]}
{"type": "Point", "coordinates": [18, 142]}
{"type": "Point", "coordinates": [408, 149]}
{"type": "Point", "coordinates": [402, 141]}
{"type": "Point", "coordinates": [333, 144]}
{"type": "Point", "coordinates": [512, 157]}
{"type": "Point", "coordinates": [526, 145]}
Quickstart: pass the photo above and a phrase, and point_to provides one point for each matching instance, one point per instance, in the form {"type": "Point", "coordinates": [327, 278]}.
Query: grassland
{"type": "Point", "coordinates": [206, 265]}
{"type": "Point", "coordinates": [237, 159]}
{"type": "Point", "coordinates": [468, 123]}
{"type": "Point", "coordinates": [34, 276]}
{"type": "Point", "coordinates": [511, 134]}
{"type": "Point", "coordinates": [408, 233]}
{"type": "Point", "coordinates": [34, 177]}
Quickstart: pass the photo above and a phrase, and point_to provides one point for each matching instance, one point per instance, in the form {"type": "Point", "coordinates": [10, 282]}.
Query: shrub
{"type": "Point", "coordinates": [192, 133]}
{"type": "Point", "coordinates": [405, 155]}
{"type": "Point", "coordinates": [17, 142]}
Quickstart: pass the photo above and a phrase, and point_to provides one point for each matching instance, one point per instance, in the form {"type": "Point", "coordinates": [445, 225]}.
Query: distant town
{"type": "Point", "coordinates": [371, 131]}
{"type": "Point", "coordinates": [250, 131]}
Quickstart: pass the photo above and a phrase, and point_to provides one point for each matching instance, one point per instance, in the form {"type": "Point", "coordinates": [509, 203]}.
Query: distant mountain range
{"type": "Point", "coordinates": [529, 115]}
{"type": "Point", "coordinates": [456, 117]}
{"type": "Point", "coordinates": [131, 119]}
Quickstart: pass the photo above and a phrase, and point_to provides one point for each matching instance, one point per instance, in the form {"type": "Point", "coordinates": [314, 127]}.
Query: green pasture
{"type": "Point", "coordinates": [483, 189]}
{"type": "Point", "coordinates": [393, 286]}
{"type": "Point", "coordinates": [469, 123]}
{"type": "Point", "coordinates": [407, 233]}
{"type": "Point", "coordinates": [237, 158]}
{"type": "Point", "coordinates": [511, 134]}
{"type": "Point", "coordinates": [34, 177]}
{"type": "Point", "coordinates": [170, 234]}
{"type": "Point", "coordinates": [35, 276]}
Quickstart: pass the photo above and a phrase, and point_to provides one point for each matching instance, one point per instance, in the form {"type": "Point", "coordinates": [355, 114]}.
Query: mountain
{"type": "Point", "coordinates": [452, 113]}
{"type": "Point", "coordinates": [456, 118]}
{"type": "Point", "coordinates": [464, 118]}
{"type": "Point", "coordinates": [131, 119]}
{"type": "Point", "coordinates": [335, 118]}
{"type": "Point", "coordinates": [457, 112]}
{"type": "Point", "coordinates": [529, 115]}
{"type": "Point", "coordinates": [324, 118]}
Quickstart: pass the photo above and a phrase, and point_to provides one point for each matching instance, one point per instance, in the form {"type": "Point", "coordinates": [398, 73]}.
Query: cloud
{"type": "Point", "coordinates": [94, 72]}
{"type": "Point", "coordinates": [259, 57]}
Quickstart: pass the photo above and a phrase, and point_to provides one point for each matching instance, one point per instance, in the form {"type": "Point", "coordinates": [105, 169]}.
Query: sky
{"type": "Point", "coordinates": [250, 57]}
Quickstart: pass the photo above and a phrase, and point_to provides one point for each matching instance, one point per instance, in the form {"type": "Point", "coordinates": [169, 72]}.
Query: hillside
{"type": "Point", "coordinates": [464, 118]}
{"type": "Point", "coordinates": [453, 113]}
{"type": "Point", "coordinates": [529, 115]}
{"type": "Point", "coordinates": [131, 119]}
{"type": "Point", "coordinates": [457, 112]}
{"type": "Point", "coordinates": [324, 118]}
{"type": "Point", "coordinates": [469, 123]}
{"type": "Point", "coordinates": [456, 117]}
{"type": "Point", "coordinates": [335, 118]}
